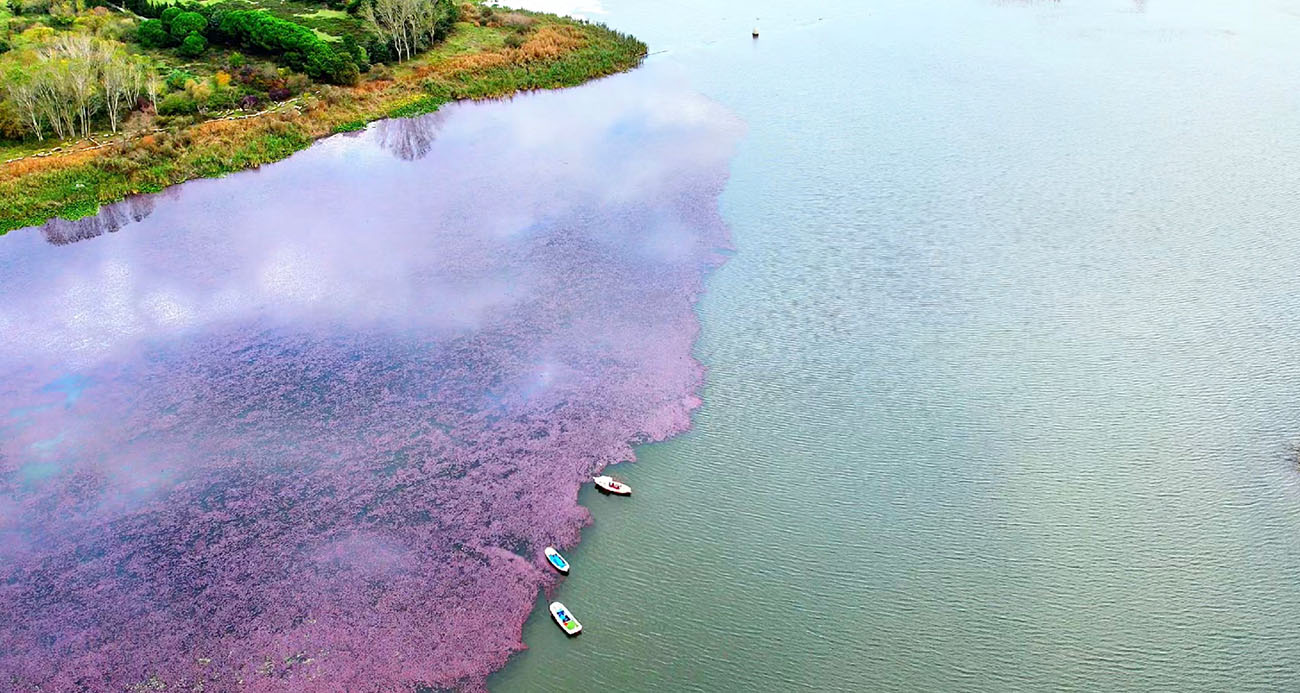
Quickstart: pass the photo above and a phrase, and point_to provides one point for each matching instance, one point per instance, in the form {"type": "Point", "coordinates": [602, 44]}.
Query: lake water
{"type": "Point", "coordinates": [1003, 380]}
{"type": "Point", "coordinates": [1002, 390]}
{"type": "Point", "coordinates": [310, 427]}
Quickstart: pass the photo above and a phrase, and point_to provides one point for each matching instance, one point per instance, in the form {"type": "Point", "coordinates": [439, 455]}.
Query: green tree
{"type": "Point", "coordinates": [187, 23]}
{"type": "Point", "coordinates": [193, 45]}
{"type": "Point", "coordinates": [151, 34]}
{"type": "Point", "coordinates": [293, 45]}
{"type": "Point", "coordinates": [176, 79]}
{"type": "Point", "coordinates": [11, 124]}
{"type": "Point", "coordinates": [356, 52]}
{"type": "Point", "coordinates": [24, 87]}
{"type": "Point", "coordinates": [168, 15]}
{"type": "Point", "coordinates": [412, 26]}
{"type": "Point", "coordinates": [63, 14]}
{"type": "Point", "coordinates": [177, 103]}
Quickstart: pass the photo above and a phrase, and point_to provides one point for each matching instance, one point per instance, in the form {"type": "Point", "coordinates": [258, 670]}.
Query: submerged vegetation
{"type": "Point", "coordinates": [98, 103]}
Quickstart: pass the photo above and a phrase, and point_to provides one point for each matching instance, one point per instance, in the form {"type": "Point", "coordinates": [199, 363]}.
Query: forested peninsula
{"type": "Point", "coordinates": [99, 101]}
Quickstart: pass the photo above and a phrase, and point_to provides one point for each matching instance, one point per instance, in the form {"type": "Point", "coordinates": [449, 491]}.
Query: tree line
{"type": "Point", "coordinates": [412, 26]}
{"type": "Point", "coordinates": [62, 82]}
{"type": "Point", "coordinates": [406, 28]}
{"type": "Point", "coordinates": [295, 45]}
{"type": "Point", "coordinates": [66, 83]}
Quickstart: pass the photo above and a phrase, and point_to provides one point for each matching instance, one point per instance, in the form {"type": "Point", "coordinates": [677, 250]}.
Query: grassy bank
{"type": "Point", "coordinates": [476, 61]}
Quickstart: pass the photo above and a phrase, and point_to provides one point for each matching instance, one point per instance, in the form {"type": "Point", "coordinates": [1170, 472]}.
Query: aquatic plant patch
{"type": "Point", "coordinates": [309, 428]}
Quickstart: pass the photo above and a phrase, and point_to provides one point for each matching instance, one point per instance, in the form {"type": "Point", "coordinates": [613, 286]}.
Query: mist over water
{"type": "Point", "coordinates": [309, 427]}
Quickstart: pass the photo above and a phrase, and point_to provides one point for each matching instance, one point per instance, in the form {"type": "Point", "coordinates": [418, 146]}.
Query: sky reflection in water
{"type": "Point", "coordinates": [312, 425]}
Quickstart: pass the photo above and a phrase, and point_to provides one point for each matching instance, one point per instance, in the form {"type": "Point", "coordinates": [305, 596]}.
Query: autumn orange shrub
{"type": "Point", "coordinates": [549, 42]}
{"type": "Point", "coordinates": [48, 164]}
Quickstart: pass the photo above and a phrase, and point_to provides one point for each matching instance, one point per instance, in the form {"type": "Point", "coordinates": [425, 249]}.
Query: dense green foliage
{"type": "Point", "coordinates": [168, 16]}
{"type": "Point", "coordinates": [295, 45]}
{"type": "Point", "coordinates": [151, 34]}
{"type": "Point", "coordinates": [177, 79]}
{"type": "Point", "coordinates": [187, 23]}
{"type": "Point", "coordinates": [357, 53]}
{"type": "Point", "coordinates": [146, 8]}
{"type": "Point", "coordinates": [177, 103]}
{"type": "Point", "coordinates": [193, 45]}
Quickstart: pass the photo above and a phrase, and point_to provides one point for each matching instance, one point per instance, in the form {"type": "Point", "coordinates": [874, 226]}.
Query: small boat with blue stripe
{"type": "Point", "coordinates": [567, 622]}
{"type": "Point", "coordinates": [556, 560]}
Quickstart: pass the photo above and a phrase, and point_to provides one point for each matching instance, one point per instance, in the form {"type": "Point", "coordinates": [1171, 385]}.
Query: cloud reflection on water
{"type": "Point", "coordinates": [327, 412]}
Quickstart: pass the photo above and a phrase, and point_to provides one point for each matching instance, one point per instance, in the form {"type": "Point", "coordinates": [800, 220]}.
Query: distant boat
{"type": "Point", "coordinates": [608, 485]}
{"type": "Point", "coordinates": [566, 621]}
{"type": "Point", "coordinates": [557, 561]}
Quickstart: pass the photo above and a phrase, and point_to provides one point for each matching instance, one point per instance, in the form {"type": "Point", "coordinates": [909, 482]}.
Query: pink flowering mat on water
{"type": "Point", "coordinates": [308, 428]}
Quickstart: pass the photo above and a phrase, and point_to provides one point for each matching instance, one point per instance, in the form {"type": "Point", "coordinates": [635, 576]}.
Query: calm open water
{"type": "Point", "coordinates": [1003, 379]}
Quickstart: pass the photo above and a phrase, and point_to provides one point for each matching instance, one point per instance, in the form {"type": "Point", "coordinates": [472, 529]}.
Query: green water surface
{"type": "Point", "coordinates": [1004, 376]}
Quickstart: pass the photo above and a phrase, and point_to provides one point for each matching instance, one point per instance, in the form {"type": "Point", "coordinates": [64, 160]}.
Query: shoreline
{"type": "Point", "coordinates": [435, 459]}
{"type": "Point", "coordinates": [561, 52]}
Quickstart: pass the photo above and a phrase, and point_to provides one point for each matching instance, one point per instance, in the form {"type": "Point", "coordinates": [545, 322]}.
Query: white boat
{"type": "Point", "coordinates": [609, 485]}
{"type": "Point", "coordinates": [556, 560]}
{"type": "Point", "coordinates": [566, 621]}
